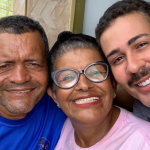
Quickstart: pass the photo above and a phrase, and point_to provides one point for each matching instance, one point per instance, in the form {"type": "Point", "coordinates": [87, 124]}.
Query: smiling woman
{"type": "Point", "coordinates": [82, 85]}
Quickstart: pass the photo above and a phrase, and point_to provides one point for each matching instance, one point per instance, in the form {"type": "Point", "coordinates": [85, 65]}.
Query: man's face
{"type": "Point", "coordinates": [23, 73]}
{"type": "Point", "coordinates": [126, 44]}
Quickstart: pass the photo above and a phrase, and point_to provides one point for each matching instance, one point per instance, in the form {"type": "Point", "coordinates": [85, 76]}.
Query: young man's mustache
{"type": "Point", "coordinates": [137, 76]}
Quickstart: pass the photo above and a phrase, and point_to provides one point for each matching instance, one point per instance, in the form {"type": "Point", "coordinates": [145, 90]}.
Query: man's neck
{"type": "Point", "coordinates": [8, 115]}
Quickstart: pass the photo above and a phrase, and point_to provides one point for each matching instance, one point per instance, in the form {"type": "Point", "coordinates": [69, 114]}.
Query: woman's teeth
{"type": "Point", "coordinates": [87, 100]}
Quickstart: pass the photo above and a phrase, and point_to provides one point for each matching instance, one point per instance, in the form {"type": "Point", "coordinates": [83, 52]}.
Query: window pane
{"type": "Point", "coordinates": [6, 8]}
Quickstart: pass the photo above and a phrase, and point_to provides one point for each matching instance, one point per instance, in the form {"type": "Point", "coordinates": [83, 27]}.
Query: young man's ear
{"type": "Point", "coordinates": [52, 94]}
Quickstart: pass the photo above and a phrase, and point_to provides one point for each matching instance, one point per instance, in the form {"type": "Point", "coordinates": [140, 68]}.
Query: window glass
{"type": "Point", "coordinates": [6, 8]}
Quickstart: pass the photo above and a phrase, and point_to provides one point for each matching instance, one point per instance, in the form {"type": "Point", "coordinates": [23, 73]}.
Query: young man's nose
{"type": "Point", "coordinates": [134, 64]}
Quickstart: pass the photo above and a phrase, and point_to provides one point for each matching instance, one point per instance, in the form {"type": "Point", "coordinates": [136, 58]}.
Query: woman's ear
{"type": "Point", "coordinates": [52, 94]}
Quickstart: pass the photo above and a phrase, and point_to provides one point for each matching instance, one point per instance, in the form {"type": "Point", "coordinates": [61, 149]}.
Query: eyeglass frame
{"type": "Point", "coordinates": [80, 72]}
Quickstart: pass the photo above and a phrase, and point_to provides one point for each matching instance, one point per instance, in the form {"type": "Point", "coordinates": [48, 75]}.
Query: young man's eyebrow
{"type": "Point", "coordinates": [112, 52]}
{"type": "Point", "coordinates": [133, 39]}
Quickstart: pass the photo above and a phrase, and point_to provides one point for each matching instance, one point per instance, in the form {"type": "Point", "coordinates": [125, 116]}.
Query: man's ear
{"type": "Point", "coordinates": [52, 94]}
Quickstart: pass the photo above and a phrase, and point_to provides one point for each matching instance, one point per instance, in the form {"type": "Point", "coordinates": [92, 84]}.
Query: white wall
{"type": "Point", "coordinates": [94, 9]}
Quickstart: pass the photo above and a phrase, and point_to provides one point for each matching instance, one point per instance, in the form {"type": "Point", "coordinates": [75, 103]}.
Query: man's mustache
{"type": "Point", "coordinates": [23, 85]}
{"type": "Point", "coordinates": [137, 76]}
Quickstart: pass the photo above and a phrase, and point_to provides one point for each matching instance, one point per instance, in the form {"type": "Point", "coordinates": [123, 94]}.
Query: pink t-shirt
{"type": "Point", "coordinates": [128, 133]}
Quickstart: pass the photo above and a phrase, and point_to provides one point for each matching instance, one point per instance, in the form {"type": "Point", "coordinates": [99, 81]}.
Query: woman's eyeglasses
{"type": "Point", "coordinates": [67, 78]}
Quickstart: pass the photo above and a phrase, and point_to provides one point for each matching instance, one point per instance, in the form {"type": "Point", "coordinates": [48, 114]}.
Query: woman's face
{"type": "Point", "coordinates": [103, 92]}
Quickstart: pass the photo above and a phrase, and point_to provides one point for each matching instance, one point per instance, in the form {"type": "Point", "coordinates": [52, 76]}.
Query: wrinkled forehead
{"type": "Point", "coordinates": [77, 56]}
{"type": "Point", "coordinates": [27, 43]}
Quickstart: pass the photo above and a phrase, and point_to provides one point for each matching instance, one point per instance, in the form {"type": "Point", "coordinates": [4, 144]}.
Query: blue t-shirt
{"type": "Point", "coordinates": [39, 130]}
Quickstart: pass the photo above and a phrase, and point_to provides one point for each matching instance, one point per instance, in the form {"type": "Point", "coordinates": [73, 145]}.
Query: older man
{"type": "Point", "coordinates": [29, 119]}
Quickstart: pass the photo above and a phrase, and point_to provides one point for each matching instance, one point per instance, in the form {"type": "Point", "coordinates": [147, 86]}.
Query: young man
{"type": "Point", "coordinates": [124, 35]}
{"type": "Point", "coordinates": [29, 119]}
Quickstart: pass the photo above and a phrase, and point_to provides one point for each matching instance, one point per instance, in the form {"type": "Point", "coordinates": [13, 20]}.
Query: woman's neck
{"type": "Point", "coordinates": [87, 135]}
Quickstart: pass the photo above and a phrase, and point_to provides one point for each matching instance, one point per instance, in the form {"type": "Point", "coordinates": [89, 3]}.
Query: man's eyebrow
{"type": "Point", "coordinates": [30, 59]}
{"type": "Point", "coordinates": [112, 52]}
{"type": "Point", "coordinates": [133, 39]}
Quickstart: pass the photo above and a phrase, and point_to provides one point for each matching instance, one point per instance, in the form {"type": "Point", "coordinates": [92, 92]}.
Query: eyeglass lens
{"type": "Point", "coordinates": [96, 73]}
{"type": "Point", "coordinates": [68, 78]}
